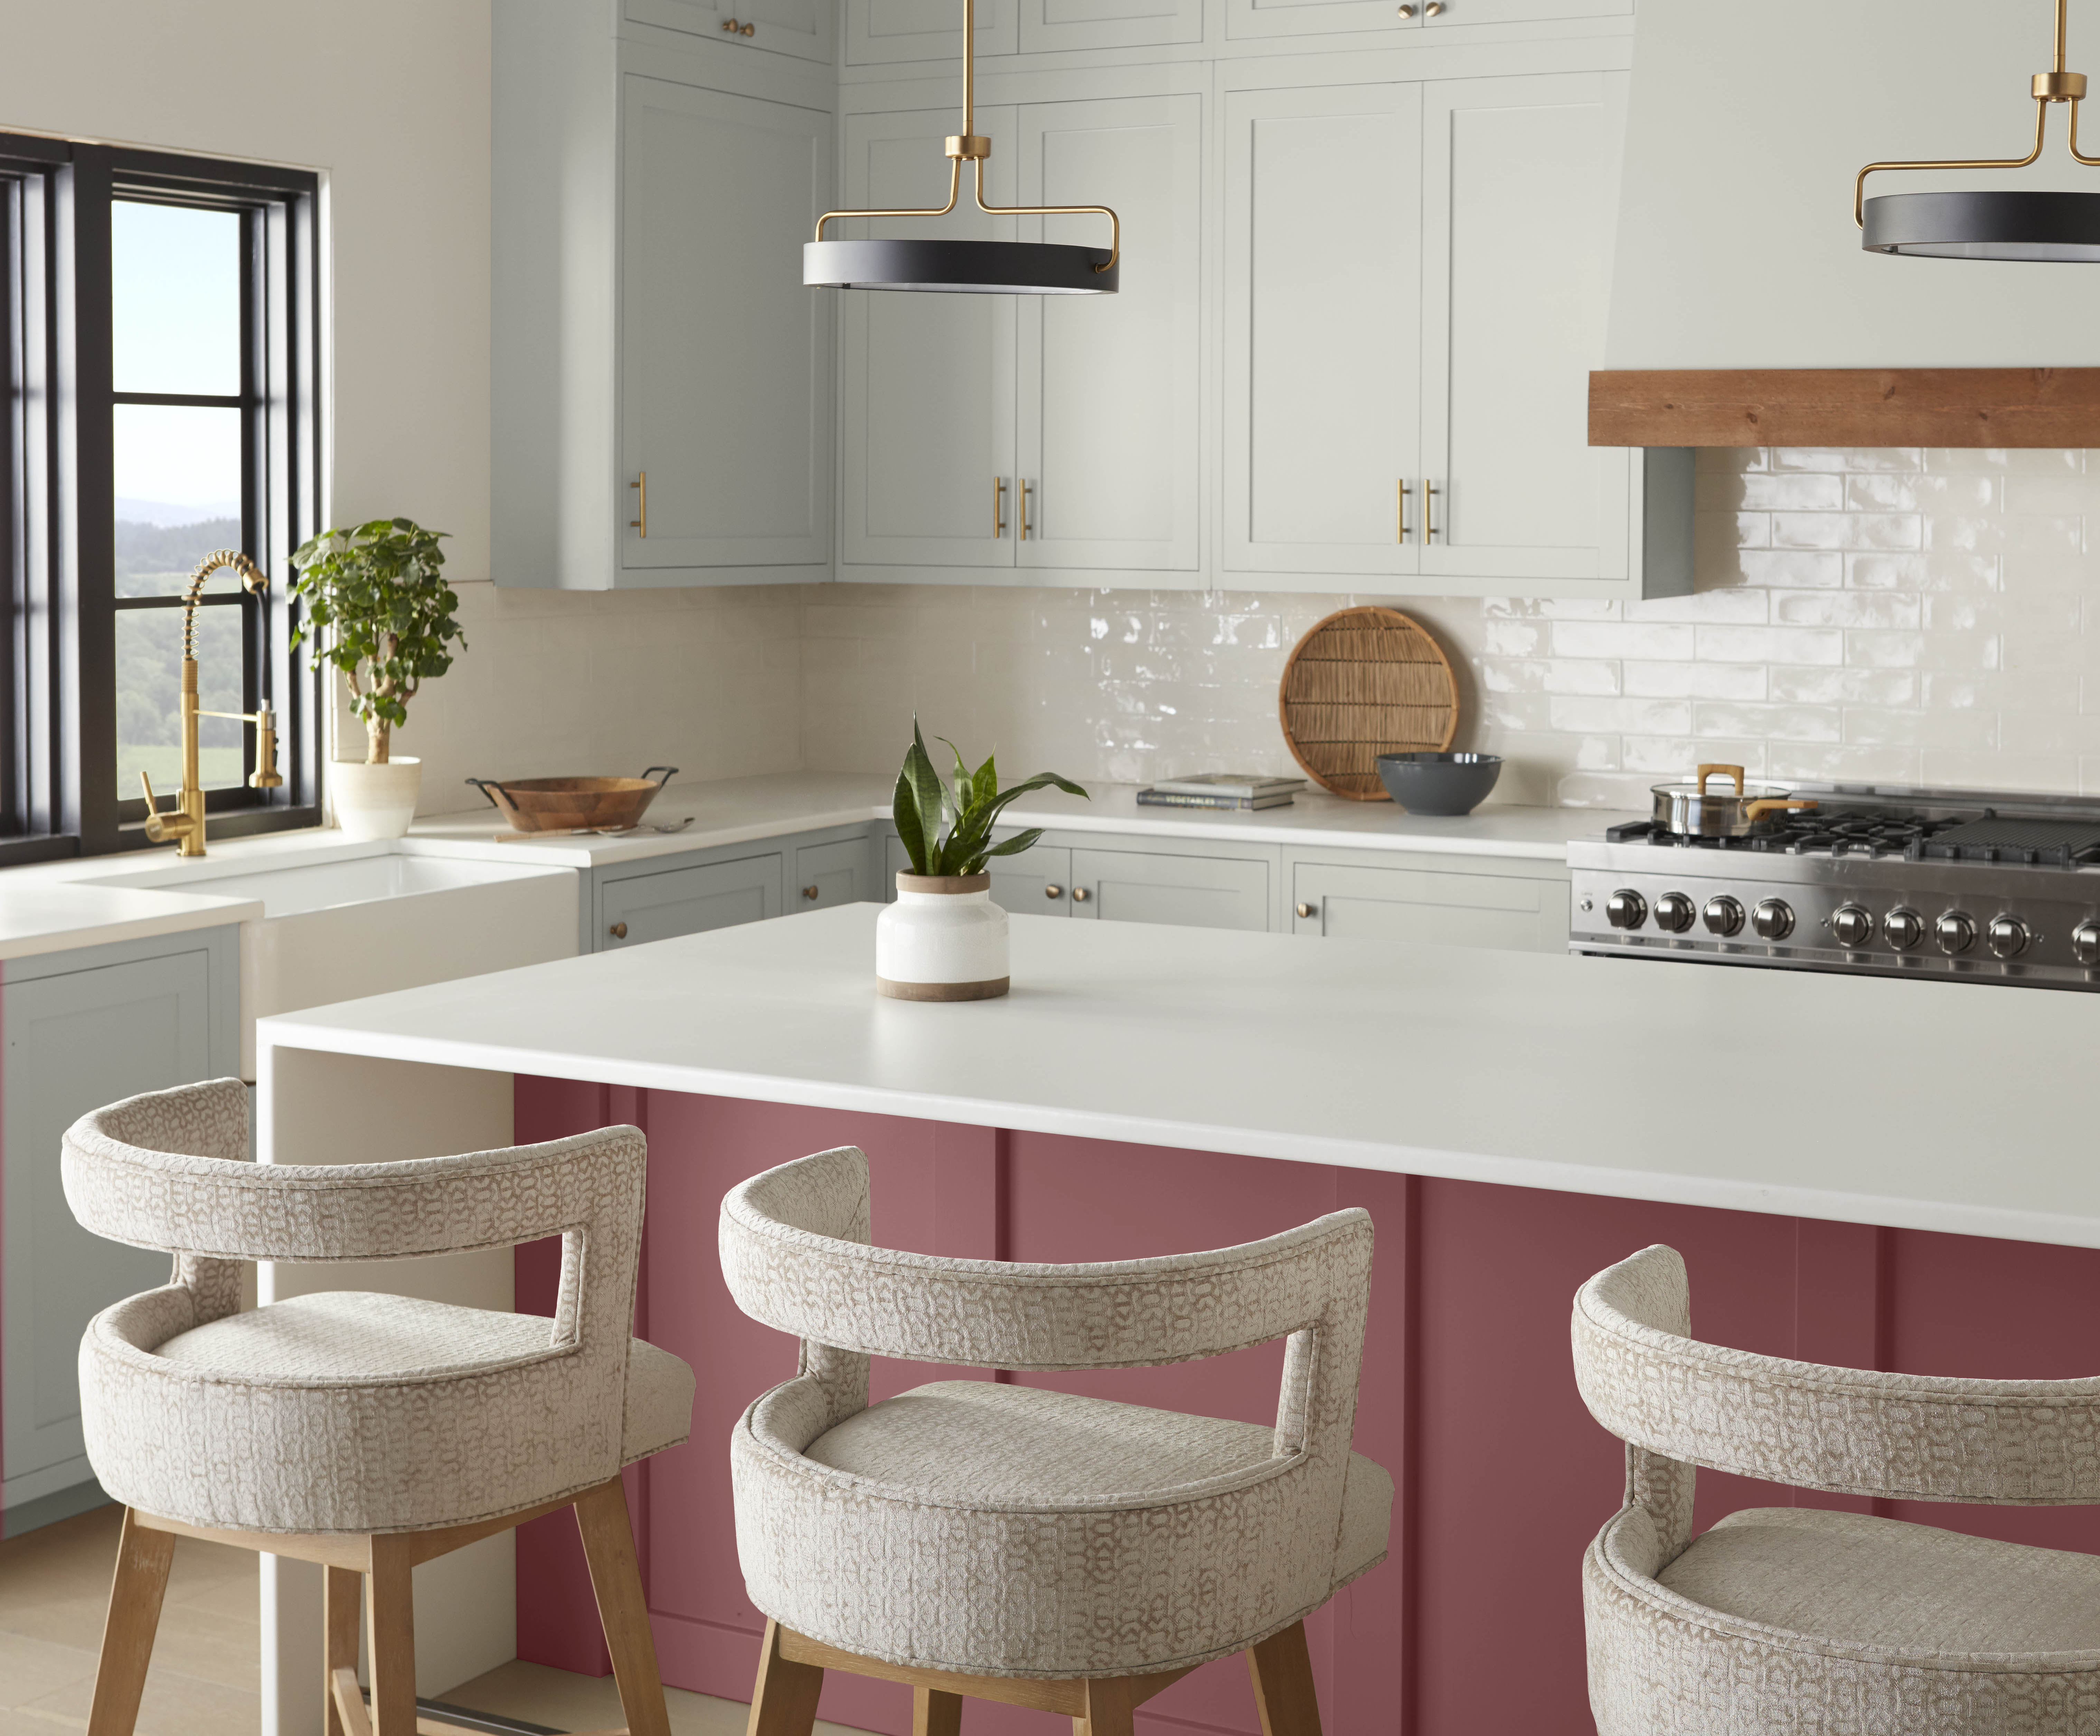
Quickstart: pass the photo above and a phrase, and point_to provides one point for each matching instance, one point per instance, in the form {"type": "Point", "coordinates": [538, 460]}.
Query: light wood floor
{"type": "Point", "coordinates": [55, 1583]}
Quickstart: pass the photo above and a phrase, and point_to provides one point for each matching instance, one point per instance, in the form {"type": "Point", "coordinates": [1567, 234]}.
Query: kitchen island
{"type": "Point", "coordinates": [1868, 1173]}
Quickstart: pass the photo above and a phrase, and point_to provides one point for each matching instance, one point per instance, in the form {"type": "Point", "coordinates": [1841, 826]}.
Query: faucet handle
{"type": "Point", "coordinates": [266, 775]}
{"type": "Point", "coordinates": [157, 823]}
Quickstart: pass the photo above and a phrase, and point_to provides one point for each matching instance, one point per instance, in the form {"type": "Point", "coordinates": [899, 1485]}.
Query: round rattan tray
{"type": "Point", "coordinates": [1363, 682]}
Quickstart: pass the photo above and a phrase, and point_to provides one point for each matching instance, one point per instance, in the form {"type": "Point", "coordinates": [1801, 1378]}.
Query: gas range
{"type": "Point", "coordinates": [1954, 885]}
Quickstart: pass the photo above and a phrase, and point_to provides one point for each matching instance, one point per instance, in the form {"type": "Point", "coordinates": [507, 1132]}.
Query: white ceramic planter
{"type": "Point", "coordinates": [375, 801]}
{"type": "Point", "coordinates": [943, 940]}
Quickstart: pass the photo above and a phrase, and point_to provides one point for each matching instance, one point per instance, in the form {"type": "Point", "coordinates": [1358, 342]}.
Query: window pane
{"type": "Point", "coordinates": [175, 298]}
{"type": "Point", "coordinates": [149, 688]}
{"type": "Point", "coordinates": [178, 493]}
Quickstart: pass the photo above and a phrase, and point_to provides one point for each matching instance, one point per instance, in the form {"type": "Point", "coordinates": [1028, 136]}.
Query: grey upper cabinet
{"type": "Point", "coordinates": [1049, 26]}
{"type": "Point", "coordinates": [801, 28]}
{"type": "Point", "coordinates": [1259, 19]}
{"type": "Point", "coordinates": [662, 383]}
{"type": "Point", "coordinates": [878, 32]}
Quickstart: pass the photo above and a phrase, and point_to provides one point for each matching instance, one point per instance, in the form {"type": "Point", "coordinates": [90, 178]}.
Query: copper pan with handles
{"type": "Point", "coordinates": [1697, 810]}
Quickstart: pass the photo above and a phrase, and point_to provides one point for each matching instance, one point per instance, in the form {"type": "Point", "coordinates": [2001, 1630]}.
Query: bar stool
{"type": "Point", "coordinates": [1796, 1618]}
{"type": "Point", "coordinates": [976, 1540]}
{"type": "Point", "coordinates": [364, 1433]}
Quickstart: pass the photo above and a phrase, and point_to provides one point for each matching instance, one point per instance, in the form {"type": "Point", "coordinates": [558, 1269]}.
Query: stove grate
{"type": "Point", "coordinates": [2043, 843]}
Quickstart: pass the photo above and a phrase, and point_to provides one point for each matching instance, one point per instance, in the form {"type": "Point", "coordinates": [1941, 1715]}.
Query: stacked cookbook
{"type": "Point", "coordinates": [1230, 791]}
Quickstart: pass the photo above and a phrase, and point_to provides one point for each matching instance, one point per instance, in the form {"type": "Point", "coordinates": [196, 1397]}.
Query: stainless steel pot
{"type": "Point", "coordinates": [1694, 811]}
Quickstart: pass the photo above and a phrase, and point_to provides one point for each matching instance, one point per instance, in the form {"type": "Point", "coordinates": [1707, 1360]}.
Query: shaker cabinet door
{"type": "Point", "coordinates": [74, 1043]}
{"type": "Point", "coordinates": [926, 385]}
{"type": "Point", "coordinates": [881, 31]}
{"type": "Point", "coordinates": [1322, 330]}
{"type": "Point", "coordinates": [687, 900]}
{"type": "Point", "coordinates": [1048, 25]}
{"type": "Point", "coordinates": [829, 874]}
{"type": "Point", "coordinates": [1110, 447]}
{"type": "Point", "coordinates": [1442, 909]}
{"type": "Point", "coordinates": [801, 28]}
{"type": "Point", "coordinates": [1520, 190]}
{"type": "Point", "coordinates": [726, 359]}
{"type": "Point", "coordinates": [1036, 883]}
{"type": "Point", "coordinates": [1195, 892]}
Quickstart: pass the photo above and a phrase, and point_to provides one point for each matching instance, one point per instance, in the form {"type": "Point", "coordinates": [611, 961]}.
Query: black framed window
{"type": "Point", "coordinates": [163, 337]}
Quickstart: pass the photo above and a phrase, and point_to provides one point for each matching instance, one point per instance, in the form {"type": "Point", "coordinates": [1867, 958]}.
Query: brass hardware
{"type": "Point", "coordinates": [730, 24]}
{"type": "Point", "coordinates": [810, 892]}
{"type": "Point", "coordinates": [1404, 492]}
{"type": "Point", "coordinates": [998, 508]}
{"type": "Point", "coordinates": [1024, 487]}
{"type": "Point", "coordinates": [618, 931]}
{"type": "Point", "coordinates": [1705, 771]}
{"type": "Point", "coordinates": [1304, 909]}
{"type": "Point", "coordinates": [1080, 895]}
{"type": "Point", "coordinates": [641, 486]}
{"type": "Point", "coordinates": [183, 826]}
{"type": "Point", "coordinates": [1428, 511]}
{"type": "Point", "coordinates": [1434, 9]}
{"type": "Point", "coordinates": [1053, 890]}
{"type": "Point", "coordinates": [2056, 85]}
{"type": "Point", "coordinates": [972, 145]}
{"type": "Point", "coordinates": [1407, 11]}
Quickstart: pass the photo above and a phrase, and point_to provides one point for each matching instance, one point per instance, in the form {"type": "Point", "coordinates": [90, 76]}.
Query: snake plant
{"type": "Point", "coordinates": [948, 830]}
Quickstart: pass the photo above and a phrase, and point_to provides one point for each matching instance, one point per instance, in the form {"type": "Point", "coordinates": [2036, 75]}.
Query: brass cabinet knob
{"type": "Point", "coordinates": [808, 892]}
{"type": "Point", "coordinates": [1053, 891]}
{"type": "Point", "coordinates": [1305, 909]}
{"type": "Point", "coordinates": [1080, 895]}
{"type": "Point", "coordinates": [618, 931]}
{"type": "Point", "coordinates": [1407, 11]}
{"type": "Point", "coordinates": [1434, 9]}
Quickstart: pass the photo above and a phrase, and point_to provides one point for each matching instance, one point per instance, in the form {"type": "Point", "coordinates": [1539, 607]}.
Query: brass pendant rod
{"type": "Point", "coordinates": [955, 190]}
{"type": "Point", "coordinates": [2062, 31]}
{"type": "Point", "coordinates": [1115, 222]}
{"type": "Point", "coordinates": [2041, 128]}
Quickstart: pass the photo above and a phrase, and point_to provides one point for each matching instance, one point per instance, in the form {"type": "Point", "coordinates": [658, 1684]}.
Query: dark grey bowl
{"type": "Point", "coordinates": [1438, 783]}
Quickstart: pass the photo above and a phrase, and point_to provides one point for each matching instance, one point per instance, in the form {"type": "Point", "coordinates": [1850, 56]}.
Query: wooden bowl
{"type": "Point", "coordinates": [575, 804]}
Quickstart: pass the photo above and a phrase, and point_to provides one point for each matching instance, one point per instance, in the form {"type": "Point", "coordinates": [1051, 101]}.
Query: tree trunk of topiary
{"type": "Point", "coordinates": [378, 734]}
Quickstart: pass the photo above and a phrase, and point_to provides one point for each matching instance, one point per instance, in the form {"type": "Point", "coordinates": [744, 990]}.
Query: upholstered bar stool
{"type": "Point", "coordinates": [1794, 1619]}
{"type": "Point", "coordinates": [364, 1433]}
{"type": "Point", "coordinates": [977, 1540]}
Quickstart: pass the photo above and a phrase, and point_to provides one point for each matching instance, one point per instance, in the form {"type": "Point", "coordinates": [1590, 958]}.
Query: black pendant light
{"type": "Point", "coordinates": [2047, 226]}
{"type": "Point", "coordinates": [962, 266]}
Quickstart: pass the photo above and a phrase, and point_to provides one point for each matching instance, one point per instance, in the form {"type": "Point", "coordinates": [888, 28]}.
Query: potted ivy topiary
{"type": "Point", "coordinates": [376, 609]}
{"type": "Point", "coordinates": [944, 939]}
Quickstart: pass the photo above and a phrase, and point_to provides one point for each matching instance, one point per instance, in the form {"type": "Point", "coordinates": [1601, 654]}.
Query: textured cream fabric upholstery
{"type": "Point", "coordinates": [344, 1412]}
{"type": "Point", "coordinates": [1798, 1620]}
{"type": "Point", "coordinates": [1007, 1531]}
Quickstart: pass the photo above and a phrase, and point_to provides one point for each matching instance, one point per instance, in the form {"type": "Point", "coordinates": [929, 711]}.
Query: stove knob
{"type": "Point", "coordinates": [1625, 908]}
{"type": "Point", "coordinates": [2085, 943]}
{"type": "Point", "coordinates": [2009, 936]}
{"type": "Point", "coordinates": [1674, 914]}
{"type": "Point", "coordinates": [1903, 929]}
{"type": "Point", "coordinates": [1851, 926]}
{"type": "Point", "coordinates": [1723, 916]}
{"type": "Point", "coordinates": [1773, 919]}
{"type": "Point", "coordinates": [1956, 930]}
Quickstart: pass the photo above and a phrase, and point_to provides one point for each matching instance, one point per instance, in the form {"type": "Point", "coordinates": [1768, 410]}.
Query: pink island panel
{"type": "Point", "coordinates": [1467, 1396]}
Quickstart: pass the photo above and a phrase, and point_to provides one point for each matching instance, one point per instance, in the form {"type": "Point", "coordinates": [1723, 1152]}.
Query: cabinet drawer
{"type": "Point", "coordinates": [688, 900]}
{"type": "Point", "coordinates": [1197, 892]}
{"type": "Point", "coordinates": [829, 874]}
{"type": "Point", "coordinates": [801, 28]}
{"type": "Point", "coordinates": [1047, 25]}
{"type": "Point", "coordinates": [1442, 909]}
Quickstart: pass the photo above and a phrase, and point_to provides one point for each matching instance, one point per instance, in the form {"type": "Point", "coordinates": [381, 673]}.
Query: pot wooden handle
{"type": "Point", "coordinates": [1757, 810]}
{"type": "Point", "coordinates": [1706, 772]}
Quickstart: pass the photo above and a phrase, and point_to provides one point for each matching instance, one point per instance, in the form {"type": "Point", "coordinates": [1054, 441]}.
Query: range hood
{"type": "Point", "coordinates": [1744, 311]}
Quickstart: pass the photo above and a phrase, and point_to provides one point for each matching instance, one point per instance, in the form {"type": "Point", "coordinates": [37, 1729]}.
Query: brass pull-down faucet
{"type": "Point", "coordinates": [184, 825]}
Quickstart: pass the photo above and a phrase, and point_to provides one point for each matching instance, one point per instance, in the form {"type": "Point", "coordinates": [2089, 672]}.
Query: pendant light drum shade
{"type": "Point", "coordinates": [964, 267]}
{"type": "Point", "coordinates": [2044, 226]}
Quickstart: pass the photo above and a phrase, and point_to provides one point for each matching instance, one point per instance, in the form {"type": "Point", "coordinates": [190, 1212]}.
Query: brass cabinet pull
{"type": "Point", "coordinates": [1080, 895]}
{"type": "Point", "coordinates": [1024, 487]}
{"type": "Point", "coordinates": [1053, 891]}
{"type": "Point", "coordinates": [1433, 10]}
{"type": "Point", "coordinates": [1304, 909]}
{"type": "Point", "coordinates": [641, 486]}
{"type": "Point", "coordinates": [730, 24]}
{"type": "Point", "coordinates": [1428, 511]}
{"type": "Point", "coordinates": [1404, 492]}
{"type": "Point", "coordinates": [618, 931]}
{"type": "Point", "coordinates": [1407, 11]}
{"type": "Point", "coordinates": [998, 508]}
{"type": "Point", "coordinates": [808, 892]}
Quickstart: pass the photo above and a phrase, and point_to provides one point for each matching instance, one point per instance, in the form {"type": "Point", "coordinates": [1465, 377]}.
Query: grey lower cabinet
{"type": "Point", "coordinates": [688, 900]}
{"type": "Point", "coordinates": [1197, 892]}
{"type": "Point", "coordinates": [83, 1028]}
{"type": "Point", "coordinates": [829, 874]}
{"type": "Point", "coordinates": [1514, 904]}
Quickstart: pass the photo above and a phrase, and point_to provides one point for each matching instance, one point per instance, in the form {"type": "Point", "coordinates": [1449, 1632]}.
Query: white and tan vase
{"type": "Point", "coordinates": [375, 801]}
{"type": "Point", "coordinates": [943, 940]}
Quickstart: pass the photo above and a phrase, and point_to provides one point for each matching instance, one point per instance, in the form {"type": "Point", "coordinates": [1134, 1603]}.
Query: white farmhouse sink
{"type": "Point", "coordinates": [367, 921]}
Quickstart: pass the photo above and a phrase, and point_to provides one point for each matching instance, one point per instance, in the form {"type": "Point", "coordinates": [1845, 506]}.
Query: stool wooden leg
{"type": "Point", "coordinates": [616, 1580]}
{"type": "Point", "coordinates": [389, 1601]}
{"type": "Point", "coordinates": [143, 1558]}
{"type": "Point", "coordinates": [934, 1713]}
{"type": "Point", "coordinates": [1109, 1707]}
{"type": "Point", "coordinates": [1282, 1671]}
{"type": "Point", "coordinates": [342, 1595]}
{"type": "Point", "coordinates": [784, 1703]}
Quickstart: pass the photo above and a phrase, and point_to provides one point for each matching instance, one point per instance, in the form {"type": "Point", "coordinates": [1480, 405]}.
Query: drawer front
{"type": "Point", "coordinates": [1036, 883]}
{"type": "Point", "coordinates": [688, 900]}
{"type": "Point", "coordinates": [1193, 891]}
{"type": "Point", "coordinates": [800, 27]}
{"type": "Point", "coordinates": [1441, 909]}
{"type": "Point", "coordinates": [829, 874]}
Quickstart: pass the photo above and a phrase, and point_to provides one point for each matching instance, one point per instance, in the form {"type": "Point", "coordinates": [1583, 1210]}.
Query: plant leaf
{"type": "Point", "coordinates": [1016, 843]}
{"type": "Point", "coordinates": [1040, 780]}
{"type": "Point", "coordinates": [930, 796]}
{"type": "Point", "coordinates": [904, 813]}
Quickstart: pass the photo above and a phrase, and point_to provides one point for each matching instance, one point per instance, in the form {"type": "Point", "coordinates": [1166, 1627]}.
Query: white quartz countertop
{"type": "Point", "coordinates": [1931, 1106]}
{"type": "Point", "coordinates": [744, 810]}
{"type": "Point", "coordinates": [50, 917]}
